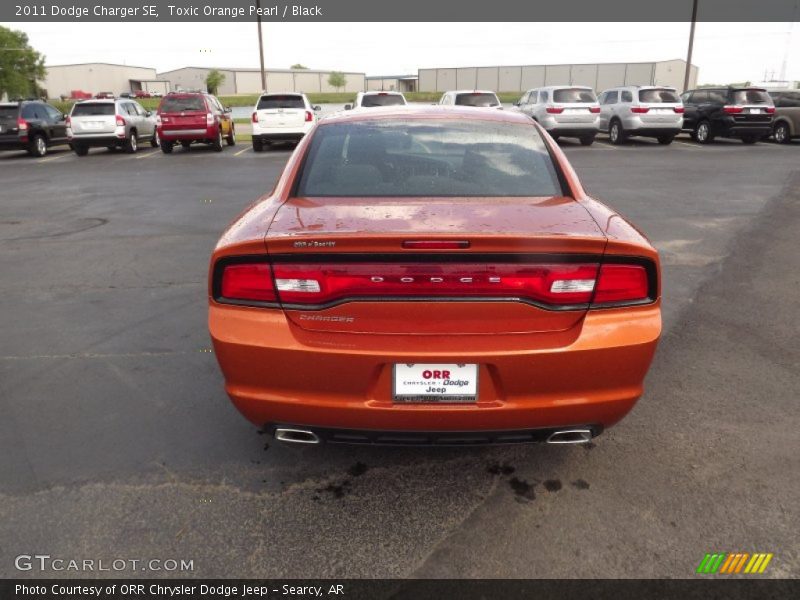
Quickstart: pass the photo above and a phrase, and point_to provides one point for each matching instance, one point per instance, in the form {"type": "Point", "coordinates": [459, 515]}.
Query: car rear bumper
{"type": "Point", "coordinates": [288, 136]}
{"type": "Point", "coordinates": [13, 143]}
{"type": "Point", "coordinates": [657, 131]}
{"type": "Point", "coordinates": [182, 135]}
{"type": "Point", "coordinates": [98, 139]}
{"type": "Point", "coordinates": [573, 130]}
{"type": "Point", "coordinates": [592, 373]}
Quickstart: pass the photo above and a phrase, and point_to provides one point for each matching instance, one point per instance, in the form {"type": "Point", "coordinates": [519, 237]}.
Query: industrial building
{"type": "Point", "coordinates": [248, 81]}
{"type": "Point", "coordinates": [61, 80]}
{"type": "Point", "coordinates": [599, 76]}
{"type": "Point", "coordinates": [392, 83]}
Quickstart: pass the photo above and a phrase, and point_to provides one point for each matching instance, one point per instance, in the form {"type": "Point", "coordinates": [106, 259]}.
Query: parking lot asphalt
{"type": "Point", "coordinates": [119, 441]}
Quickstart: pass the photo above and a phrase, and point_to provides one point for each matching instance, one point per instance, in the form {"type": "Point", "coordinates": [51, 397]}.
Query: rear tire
{"type": "Point", "coordinates": [80, 149]}
{"type": "Point", "coordinates": [781, 133]}
{"type": "Point", "coordinates": [702, 133]}
{"type": "Point", "coordinates": [616, 133]}
{"type": "Point", "coordinates": [216, 144]}
{"type": "Point", "coordinates": [38, 146]}
{"type": "Point", "coordinates": [166, 147]}
{"type": "Point", "coordinates": [749, 139]}
{"type": "Point", "coordinates": [231, 138]}
{"type": "Point", "coordinates": [258, 145]}
{"type": "Point", "coordinates": [587, 140]}
{"type": "Point", "coordinates": [155, 141]}
{"type": "Point", "coordinates": [131, 144]}
{"type": "Point", "coordinates": [665, 140]}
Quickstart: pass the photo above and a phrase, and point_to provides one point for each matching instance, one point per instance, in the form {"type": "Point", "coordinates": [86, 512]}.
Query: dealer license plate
{"type": "Point", "coordinates": [435, 383]}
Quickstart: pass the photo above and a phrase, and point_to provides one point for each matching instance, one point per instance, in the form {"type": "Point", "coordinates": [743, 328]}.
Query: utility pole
{"type": "Point", "coordinates": [261, 46]}
{"type": "Point", "coordinates": [691, 45]}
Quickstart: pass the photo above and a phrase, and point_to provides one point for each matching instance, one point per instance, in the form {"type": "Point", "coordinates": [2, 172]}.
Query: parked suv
{"type": "Point", "coordinates": [477, 98]}
{"type": "Point", "coordinates": [787, 115]}
{"type": "Point", "coordinates": [373, 99]}
{"type": "Point", "coordinates": [110, 123]}
{"type": "Point", "coordinates": [31, 125]}
{"type": "Point", "coordinates": [285, 117]}
{"type": "Point", "coordinates": [731, 112]}
{"type": "Point", "coordinates": [647, 111]}
{"type": "Point", "coordinates": [194, 117]}
{"type": "Point", "coordinates": [569, 111]}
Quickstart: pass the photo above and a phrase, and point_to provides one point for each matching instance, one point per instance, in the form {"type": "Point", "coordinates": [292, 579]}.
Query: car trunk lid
{"type": "Point", "coordinates": [280, 111]}
{"type": "Point", "coordinates": [90, 118]}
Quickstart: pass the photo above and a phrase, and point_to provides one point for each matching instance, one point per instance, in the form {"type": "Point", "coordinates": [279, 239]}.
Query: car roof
{"type": "Point", "coordinates": [470, 92]}
{"type": "Point", "coordinates": [282, 94]}
{"type": "Point", "coordinates": [446, 113]}
{"type": "Point", "coordinates": [379, 92]}
{"type": "Point", "coordinates": [100, 100]}
{"type": "Point", "coordinates": [563, 87]}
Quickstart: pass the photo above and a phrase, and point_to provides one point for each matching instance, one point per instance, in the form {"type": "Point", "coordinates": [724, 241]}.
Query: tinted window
{"type": "Point", "coordinates": [699, 97]}
{"type": "Point", "coordinates": [428, 158]}
{"type": "Point", "coordinates": [382, 100]}
{"type": "Point", "coordinates": [477, 99]}
{"type": "Point", "coordinates": [8, 113]}
{"type": "Point", "coordinates": [787, 99]}
{"type": "Point", "coordinates": [542, 97]}
{"type": "Point", "coordinates": [52, 113]}
{"type": "Point", "coordinates": [750, 97]}
{"type": "Point", "coordinates": [574, 95]}
{"type": "Point", "coordinates": [28, 111]}
{"type": "Point", "coordinates": [717, 97]}
{"type": "Point", "coordinates": [626, 96]}
{"type": "Point", "coordinates": [182, 104]}
{"type": "Point", "coordinates": [655, 96]}
{"type": "Point", "coordinates": [267, 102]}
{"type": "Point", "coordinates": [611, 97]}
{"type": "Point", "coordinates": [92, 109]}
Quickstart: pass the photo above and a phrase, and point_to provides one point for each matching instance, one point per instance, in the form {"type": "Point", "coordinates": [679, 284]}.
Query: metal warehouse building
{"type": "Point", "coordinates": [599, 76]}
{"type": "Point", "coordinates": [392, 83]}
{"type": "Point", "coordinates": [60, 80]}
{"type": "Point", "coordinates": [248, 81]}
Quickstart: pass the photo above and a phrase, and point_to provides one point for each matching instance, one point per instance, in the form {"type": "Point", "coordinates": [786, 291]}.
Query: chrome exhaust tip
{"type": "Point", "coordinates": [570, 436]}
{"type": "Point", "coordinates": [296, 436]}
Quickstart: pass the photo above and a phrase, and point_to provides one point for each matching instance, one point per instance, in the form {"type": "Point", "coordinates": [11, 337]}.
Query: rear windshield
{"type": "Point", "coordinates": [93, 109]}
{"type": "Point", "coordinates": [476, 99]}
{"type": "Point", "coordinates": [8, 113]}
{"type": "Point", "coordinates": [750, 97]}
{"type": "Point", "coordinates": [182, 104]}
{"type": "Point", "coordinates": [656, 96]}
{"type": "Point", "coordinates": [574, 95]}
{"type": "Point", "coordinates": [266, 102]}
{"type": "Point", "coordinates": [393, 158]}
{"type": "Point", "coordinates": [382, 100]}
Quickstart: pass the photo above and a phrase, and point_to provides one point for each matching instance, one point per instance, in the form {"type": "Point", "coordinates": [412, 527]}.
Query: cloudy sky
{"type": "Point", "coordinates": [725, 52]}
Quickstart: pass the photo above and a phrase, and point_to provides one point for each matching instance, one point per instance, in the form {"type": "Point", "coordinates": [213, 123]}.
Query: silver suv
{"type": "Point", "coordinates": [569, 111]}
{"type": "Point", "coordinates": [648, 111]}
{"type": "Point", "coordinates": [110, 123]}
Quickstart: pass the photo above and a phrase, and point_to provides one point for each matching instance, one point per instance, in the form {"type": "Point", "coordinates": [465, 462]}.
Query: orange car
{"type": "Point", "coordinates": [432, 276]}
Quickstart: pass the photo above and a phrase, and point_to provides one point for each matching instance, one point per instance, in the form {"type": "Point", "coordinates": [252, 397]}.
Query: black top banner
{"type": "Point", "coordinates": [398, 10]}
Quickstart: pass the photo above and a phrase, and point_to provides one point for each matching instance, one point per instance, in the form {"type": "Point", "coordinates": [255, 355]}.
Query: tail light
{"type": "Point", "coordinates": [594, 109]}
{"type": "Point", "coordinates": [678, 109]}
{"type": "Point", "coordinates": [639, 110]}
{"type": "Point", "coordinates": [309, 116]}
{"type": "Point", "coordinates": [120, 121]}
{"type": "Point", "coordinates": [770, 110]}
{"type": "Point", "coordinates": [557, 285]}
{"type": "Point", "coordinates": [732, 110]}
{"type": "Point", "coordinates": [554, 110]}
{"type": "Point", "coordinates": [254, 117]}
{"type": "Point", "coordinates": [22, 124]}
{"type": "Point", "coordinates": [209, 119]}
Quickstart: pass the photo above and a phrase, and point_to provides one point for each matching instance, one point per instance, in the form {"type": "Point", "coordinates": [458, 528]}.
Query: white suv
{"type": "Point", "coordinates": [477, 98]}
{"type": "Point", "coordinates": [373, 99]}
{"type": "Point", "coordinates": [284, 117]}
{"type": "Point", "coordinates": [569, 111]}
{"type": "Point", "coordinates": [649, 111]}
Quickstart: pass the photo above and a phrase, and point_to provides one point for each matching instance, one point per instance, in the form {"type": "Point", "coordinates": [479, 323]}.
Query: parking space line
{"type": "Point", "coordinates": [148, 154]}
{"type": "Point", "coordinates": [241, 151]}
{"type": "Point", "coordinates": [688, 145]}
{"type": "Point", "coordinates": [56, 157]}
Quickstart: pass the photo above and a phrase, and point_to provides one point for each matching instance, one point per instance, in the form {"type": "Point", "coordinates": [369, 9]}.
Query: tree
{"type": "Point", "coordinates": [337, 79]}
{"type": "Point", "coordinates": [298, 66]}
{"type": "Point", "coordinates": [20, 65]}
{"type": "Point", "coordinates": [214, 79]}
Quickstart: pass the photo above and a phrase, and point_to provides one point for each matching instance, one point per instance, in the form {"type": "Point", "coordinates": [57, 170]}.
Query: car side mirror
{"type": "Point", "coordinates": [228, 109]}
{"type": "Point", "coordinates": [62, 117]}
{"type": "Point", "coordinates": [149, 113]}
{"type": "Point", "coordinates": [317, 108]}
{"type": "Point", "coordinates": [348, 107]}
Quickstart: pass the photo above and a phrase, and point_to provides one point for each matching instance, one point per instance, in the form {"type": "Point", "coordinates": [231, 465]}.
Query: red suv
{"type": "Point", "coordinates": [188, 117]}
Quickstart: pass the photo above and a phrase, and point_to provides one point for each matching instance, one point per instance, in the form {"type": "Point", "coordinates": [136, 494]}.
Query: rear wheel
{"type": "Point", "coordinates": [217, 143]}
{"type": "Point", "coordinates": [587, 140]}
{"type": "Point", "coordinates": [166, 147]}
{"type": "Point", "coordinates": [155, 140]}
{"type": "Point", "coordinates": [702, 133]}
{"type": "Point", "coordinates": [781, 133]}
{"type": "Point", "coordinates": [231, 138]}
{"type": "Point", "coordinates": [131, 144]}
{"type": "Point", "coordinates": [665, 140]}
{"type": "Point", "coordinates": [615, 133]}
{"type": "Point", "coordinates": [749, 139]}
{"type": "Point", "coordinates": [80, 149]}
{"type": "Point", "coordinates": [258, 145]}
{"type": "Point", "coordinates": [37, 146]}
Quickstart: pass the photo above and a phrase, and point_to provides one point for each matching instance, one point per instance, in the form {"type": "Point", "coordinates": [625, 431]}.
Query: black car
{"type": "Point", "coordinates": [31, 125]}
{"type": "Point", "coordinates": [744, 113]}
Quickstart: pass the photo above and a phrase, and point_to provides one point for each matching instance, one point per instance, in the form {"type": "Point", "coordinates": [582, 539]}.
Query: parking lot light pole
{"type": "Point", "coordinates": [261, 47]}
{"type": "Point", "coordinates": [691, 45]}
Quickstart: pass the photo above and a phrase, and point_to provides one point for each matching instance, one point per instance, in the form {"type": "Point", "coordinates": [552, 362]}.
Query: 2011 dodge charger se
{"type": "Point", "coordinates": [432, 276]}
